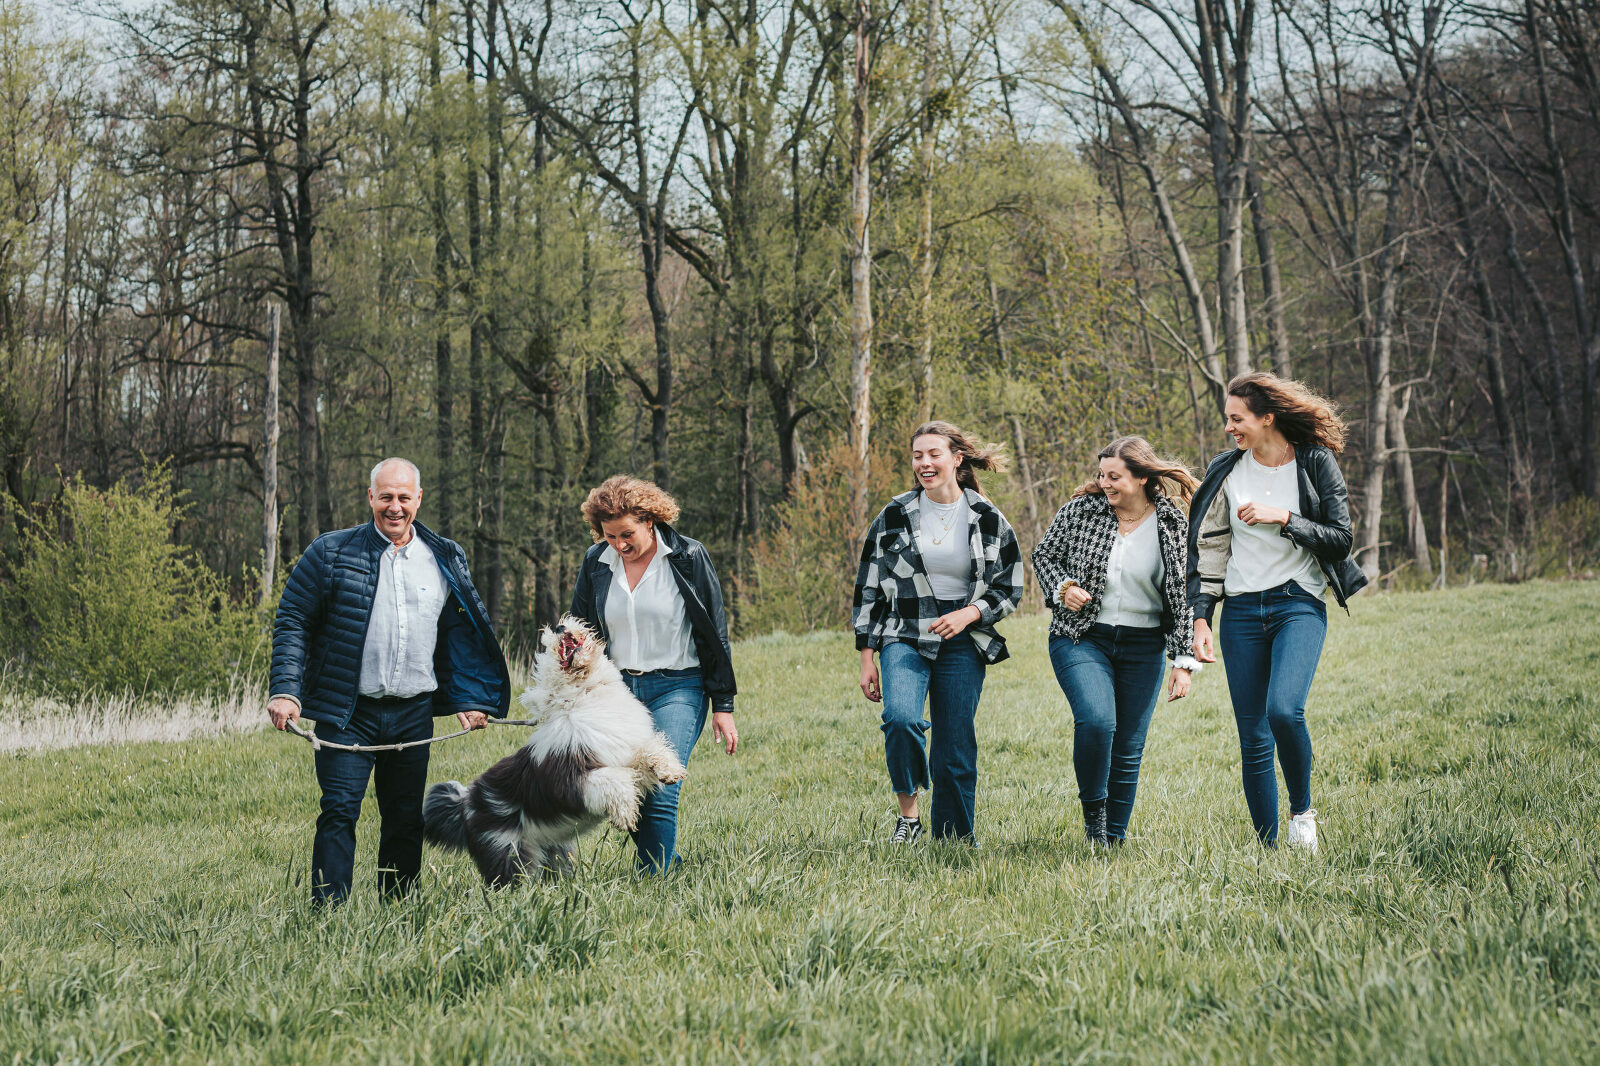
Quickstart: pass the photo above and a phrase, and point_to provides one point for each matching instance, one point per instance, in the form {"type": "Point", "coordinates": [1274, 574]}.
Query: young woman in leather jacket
{"type": "Point", "coordinates": [1269, 534]}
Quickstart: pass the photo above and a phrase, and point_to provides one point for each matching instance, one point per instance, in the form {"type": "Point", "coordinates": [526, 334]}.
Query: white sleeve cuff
{"type": "Point", "coordinates": [1189, 663]}
{"type": "Point", "coordinates": [286, 696]}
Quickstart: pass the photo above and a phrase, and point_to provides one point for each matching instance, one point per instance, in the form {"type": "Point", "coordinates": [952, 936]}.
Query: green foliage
{"type": "Point", "coordinates": [152, 896]}
{"type": "Point", "coordinates": [1567, 542]}
{"type": "Point", "coordinates": [104, 601]}
{"type": "Point", "coordinates": [805, 568]}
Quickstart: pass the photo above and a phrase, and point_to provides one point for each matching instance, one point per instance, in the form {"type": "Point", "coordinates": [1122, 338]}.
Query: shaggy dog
{"type": "Point", "coordinates": [593, 755]}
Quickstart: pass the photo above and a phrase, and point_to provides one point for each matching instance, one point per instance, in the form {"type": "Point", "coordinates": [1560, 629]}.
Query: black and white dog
{"type": "Point", "coordinates": [593, 755]}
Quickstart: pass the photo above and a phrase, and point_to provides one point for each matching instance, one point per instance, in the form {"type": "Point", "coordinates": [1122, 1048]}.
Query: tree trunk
{"type": "Point", "coordinates": [860, 276]}
{"type": "Point", "coordinates": [442, 496]}
{"type": "Point", "coordinates": [922, 377]}
{"type": "Point", "coordinates": [1271, 282]}
{"type": "Point", "coordinates": [1405, 481]}
{"type": "Point", "coordinates": [1019, 439]}
{"type": "Point", "coordinates": [269, 464]}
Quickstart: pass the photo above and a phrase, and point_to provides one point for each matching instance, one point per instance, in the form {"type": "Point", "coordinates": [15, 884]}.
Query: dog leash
{"type": "Point", "coordinates": [317, 743]}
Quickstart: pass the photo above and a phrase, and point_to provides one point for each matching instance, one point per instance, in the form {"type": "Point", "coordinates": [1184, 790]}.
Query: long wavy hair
{"type": "Point", "coordinates": [1166, 477]}
{"type": "Point", "coordinates": [975, 454]}
{"type": "Point", "coordinates": [1301, 415]}
{"type": "Point", "coordinates": [622, 496]}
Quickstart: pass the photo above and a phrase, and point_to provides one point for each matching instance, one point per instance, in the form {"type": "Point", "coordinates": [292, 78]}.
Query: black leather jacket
{"type": "Point", "coordinates": [1322, 527]}
{"type": "Point", "coordinates": [702, 598]}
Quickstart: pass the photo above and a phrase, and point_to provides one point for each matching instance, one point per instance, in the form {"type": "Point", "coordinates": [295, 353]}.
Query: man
{"type": "Point", "coordinates": [379, 630]}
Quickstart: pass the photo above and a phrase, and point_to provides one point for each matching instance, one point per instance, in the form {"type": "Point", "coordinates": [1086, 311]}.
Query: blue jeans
{"type": "Point", "coordinates": [1112, 679]}
{"type": "Point", "coordinates": [951, 685]}
{"type": "Point", "coordinates": [1270, 643]}
{"type": "Point", "coordinates": [400, 777]}
{"type": "Point", "coordinates": [677, 703]}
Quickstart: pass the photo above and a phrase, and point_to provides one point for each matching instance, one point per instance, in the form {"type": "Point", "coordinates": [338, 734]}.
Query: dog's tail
{"type": "Point", "coordinates": [444, 815]}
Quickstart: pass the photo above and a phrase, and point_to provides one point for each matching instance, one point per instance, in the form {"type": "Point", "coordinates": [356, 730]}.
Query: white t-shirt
{"type": "Point", "coordinates": [649, 624]}
{"type": "Point", "coordinates": [944, 541]}
{"type": "Point", "coordinates": [1132, 595]}
{"type": "Point", "coordinates": [1261, 557]}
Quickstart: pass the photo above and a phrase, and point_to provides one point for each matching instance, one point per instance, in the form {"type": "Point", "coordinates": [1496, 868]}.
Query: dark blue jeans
{"type": "Point", "coordinates": [950, 685]}
{"type": "Point", "coordinates": [1270, 643]}
{"type": "Point", "coordinates": [399, 779]}
{"type": "Point", "coordinates": [1112, 679]}
{"type": "Point", "coordinates": [677, 703]}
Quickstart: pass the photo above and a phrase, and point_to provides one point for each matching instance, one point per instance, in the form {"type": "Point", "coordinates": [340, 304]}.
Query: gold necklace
{"type": "Point", "coordinates": [1133, 522]}
{"type": "Point", "coordinates": [946, 519]}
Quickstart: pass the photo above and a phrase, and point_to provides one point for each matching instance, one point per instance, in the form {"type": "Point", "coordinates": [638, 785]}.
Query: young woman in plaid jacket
{"type": "Point", "coordinates": [1113, 566]}
{"type": "Point", "coordinates": [939, 567]}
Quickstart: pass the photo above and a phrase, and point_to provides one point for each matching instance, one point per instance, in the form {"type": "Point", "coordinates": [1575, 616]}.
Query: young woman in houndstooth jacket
{"type": "Point", "coordinates": [939, 567]}
{"type": "Point", "coordinates": [1112, 567]}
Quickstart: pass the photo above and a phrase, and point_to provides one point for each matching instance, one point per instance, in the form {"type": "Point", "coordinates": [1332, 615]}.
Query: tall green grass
{"type": "Point", "coordinates": [152, 897]}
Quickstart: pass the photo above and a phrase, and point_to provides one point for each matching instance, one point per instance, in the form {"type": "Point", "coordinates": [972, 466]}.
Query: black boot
{"type": "Point", "coordinates": [1094, 823]}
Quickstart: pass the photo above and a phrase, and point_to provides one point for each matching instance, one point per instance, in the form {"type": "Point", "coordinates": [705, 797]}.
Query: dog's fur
{"type": "Point", "coordinates": [594, 754]}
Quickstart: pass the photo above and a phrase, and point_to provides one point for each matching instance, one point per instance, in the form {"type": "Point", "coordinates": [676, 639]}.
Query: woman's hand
{"type": "Point", "coordinates": [951, 625]}
{"type": "Point", "coordinates": [723, 731]}
{"type": "Point", "coordinates": [1178, 688]}
{"type": "Point", "coordinates": [1254, 514]}
{"type": "Point", "coordinates": [1202, 641]}
{"type": "Point", "coordinates": [869, 677]}
{"type": "Point", "coordinates": [1074, 599]}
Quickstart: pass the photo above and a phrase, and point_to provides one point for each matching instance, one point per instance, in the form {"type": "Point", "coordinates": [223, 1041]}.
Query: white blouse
{"type": "Point", "coordinates": [649, 624]}
{"type": "Point", "coordinates": [1134, 571]}
{"type": "Point", "coordinates": [1261, 557]}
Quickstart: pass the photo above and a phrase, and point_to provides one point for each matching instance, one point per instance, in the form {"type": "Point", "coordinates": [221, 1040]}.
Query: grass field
{"type": "Point", "coordinates": [152, 904]}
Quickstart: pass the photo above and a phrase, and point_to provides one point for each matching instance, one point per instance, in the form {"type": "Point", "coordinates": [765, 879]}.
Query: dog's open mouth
{"type": "Point", "coordinates": [566, 648]}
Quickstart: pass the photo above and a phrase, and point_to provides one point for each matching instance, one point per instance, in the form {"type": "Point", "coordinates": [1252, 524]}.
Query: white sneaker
{"type": "Point", "coordinates": [1303, 831]}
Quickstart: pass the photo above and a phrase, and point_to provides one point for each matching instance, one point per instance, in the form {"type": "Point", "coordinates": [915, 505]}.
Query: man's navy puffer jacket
{"type": "Point", "coordinates": [321, 628]}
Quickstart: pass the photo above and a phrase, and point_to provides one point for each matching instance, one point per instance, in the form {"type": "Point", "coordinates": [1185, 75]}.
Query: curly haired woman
{"type": "Point", "coordinates": [654, 598]}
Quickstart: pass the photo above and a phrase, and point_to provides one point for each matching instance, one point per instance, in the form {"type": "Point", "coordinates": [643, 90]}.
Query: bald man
{"type": "Point", "coordinates": [379, 630]}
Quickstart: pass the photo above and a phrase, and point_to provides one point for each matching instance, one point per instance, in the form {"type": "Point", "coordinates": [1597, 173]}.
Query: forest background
{"type": "Point", "coordinates": [742, 248]}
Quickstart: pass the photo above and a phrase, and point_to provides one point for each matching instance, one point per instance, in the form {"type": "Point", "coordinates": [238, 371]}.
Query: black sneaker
{"type": "Point", "coordinates": [906, 830]}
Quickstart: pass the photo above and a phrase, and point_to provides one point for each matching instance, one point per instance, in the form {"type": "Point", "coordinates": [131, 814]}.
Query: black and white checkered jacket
{"type": "Point", "coordinates": [1078, 546]}
{"type": "Point", "coordinates": [893, 599]}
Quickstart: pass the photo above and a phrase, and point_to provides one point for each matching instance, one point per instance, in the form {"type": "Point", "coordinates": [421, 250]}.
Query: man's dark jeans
{"type": "Point", "coordinates": [400, 778]}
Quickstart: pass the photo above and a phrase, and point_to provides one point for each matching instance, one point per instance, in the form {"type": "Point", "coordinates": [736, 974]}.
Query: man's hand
{"type": "Point", "coordinates": [724, 732]}
{"type": "Point", "coordinates": [282, 711]}
{"type": "Point", "coordinates": [472, 719]}
{"type": "Point", "coordinates": [1202, 641]}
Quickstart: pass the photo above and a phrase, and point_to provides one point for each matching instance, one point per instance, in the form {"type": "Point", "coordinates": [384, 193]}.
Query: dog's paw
{"type": "Point", "coordinates": [625, 817]}
{"type": "Point", "coordinates": [670, 771]}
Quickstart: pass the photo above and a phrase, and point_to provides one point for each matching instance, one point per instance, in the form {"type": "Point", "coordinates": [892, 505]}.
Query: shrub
{"type": "Point", "coordinates": [804, 570]}
{"type": "Point", "coordinates": [104, 601]}
{"type": "Point", "coordinates": [1567, 541]}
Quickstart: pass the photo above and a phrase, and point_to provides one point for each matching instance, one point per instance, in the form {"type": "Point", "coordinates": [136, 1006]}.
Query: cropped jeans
{"type": "Point", "coordinates": [677, 703]}
{"type": "Point", "coordinates": [950, 686]}
{"type": "Point", "coordinates": [1271, 642]}
{"type": "Point", "coordinates": [1112, 679]}
{"type": "Point", "coordinates": [399, 779]}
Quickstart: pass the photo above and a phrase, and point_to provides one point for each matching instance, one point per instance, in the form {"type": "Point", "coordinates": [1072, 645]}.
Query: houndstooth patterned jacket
{"type": "Point", "coordinates": [1078, 546]}
{"type": "Point", "coordinates": [893, 599]}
